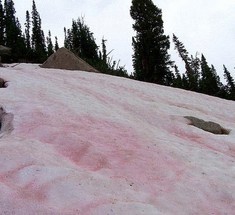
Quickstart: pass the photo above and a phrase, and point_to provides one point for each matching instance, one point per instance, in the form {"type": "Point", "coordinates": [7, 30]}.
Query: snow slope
{"type": "Point", "coordinates": [86, 143]}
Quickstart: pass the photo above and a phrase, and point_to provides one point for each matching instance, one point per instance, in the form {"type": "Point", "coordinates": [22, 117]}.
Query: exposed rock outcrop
{"type": "Point", "coordinates": [3, 83]}
{"type": "Point", "coordinates": [209, 126]}
{"type": "Point", "coordinates": [65, 59]}
{"type": "Point", "coordinates": [6, 119]}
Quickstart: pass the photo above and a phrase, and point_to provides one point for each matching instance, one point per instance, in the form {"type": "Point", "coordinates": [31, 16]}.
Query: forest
{"type": "Point", "coordinates": [151, 59]}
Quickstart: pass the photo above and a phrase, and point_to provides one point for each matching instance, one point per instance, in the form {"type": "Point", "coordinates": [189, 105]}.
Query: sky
{"type": "Point", "coordinates": [204, 26]}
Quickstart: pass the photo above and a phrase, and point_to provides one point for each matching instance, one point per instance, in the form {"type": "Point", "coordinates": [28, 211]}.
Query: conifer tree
{"type": "Point", "coordinates": [230, 87]}
{"type": "Point", "coordinates": [13, 33]}
{"type": "Point", "coordinates": [81, 41]}
{"type": "Point", "coordinates": [2, 42]}
{"type": "Point", "coordinates": [151, 60]}
{"type": "Point", "coordinates": [38, 38]}
{"type": "Point", "coordinates": [192, 65]}
{"type": "Point", "coordinates": [27, 31]}
{"type": "Point", "coordinates": [56, 44]}
{"type": "Point", "coordinates": [183, 53]}
{"type": "Point", "coordinates": [104, 51]}
{"type": "Point", "coordinates": [209, 81]}
{"type": "Point", "coordinates": [177, 80]}
{"type": "Point", "coordinates": [50, 47]}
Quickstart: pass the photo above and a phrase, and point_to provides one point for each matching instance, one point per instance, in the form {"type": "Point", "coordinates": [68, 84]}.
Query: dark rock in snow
{"type": "Point", "coordinates": [6, 119]}
{"type": "Point", "coordinates": [208, 126]}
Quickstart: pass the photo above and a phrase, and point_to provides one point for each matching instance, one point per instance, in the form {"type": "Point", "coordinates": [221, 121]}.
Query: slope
{"type": "Point", "coordinates": [87, 143]}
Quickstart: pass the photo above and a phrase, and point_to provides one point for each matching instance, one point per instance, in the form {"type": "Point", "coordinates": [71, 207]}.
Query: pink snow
{"type": "Point", "coordinates": [86, 143]}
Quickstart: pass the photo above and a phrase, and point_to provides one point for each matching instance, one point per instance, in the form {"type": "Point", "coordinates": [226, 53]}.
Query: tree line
{"type": "Point", "coordinates": [152, 63]}
{"type": "Point", "coordinates": [151, 60]}
{"type": "Point", "coordinates": [29, 45]}
{"type": "Point", "coordinates": [32, 45]}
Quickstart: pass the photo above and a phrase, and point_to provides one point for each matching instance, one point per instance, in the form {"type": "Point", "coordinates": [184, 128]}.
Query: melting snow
{"type": "Point", "coordinates": [86, 143]}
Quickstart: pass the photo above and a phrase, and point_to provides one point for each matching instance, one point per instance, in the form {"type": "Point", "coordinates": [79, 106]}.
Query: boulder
{"type": "Point", "coordinates": [208, 126]}
{"type": "Point", "coordinates": [65, 59]}
{"type": "Point", "coordinates": [6, 119]}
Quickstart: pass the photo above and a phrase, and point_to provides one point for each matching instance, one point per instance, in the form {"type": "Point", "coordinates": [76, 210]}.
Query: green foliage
{"type": "Point", "coordinates": [56, 44]}
{"type": "Point", "coordinates": [192, 65]}
{"type": "Point", "coordinates": [230, 87]}
{"type": "Point", "coordinates": [209, 82]}
{"type": "Point", "coordinates": [12, 36]}
{"type": "Point", "coordinates": [50, 48]}
{"type": "Point", "coordinates": [80, 40]}
{"type": "Point", "coordinates": [151, 60]}
{"type": "Point", "coordinates": [27, 31]}
{"type": "Point", "coordinates": [200, 77]}
{"type": "Point", "coordinates": [1, 24]}
{"type": "Point", "coordinates": [38, 38]}
{"type": "Point", "coordinates": [177, 82]}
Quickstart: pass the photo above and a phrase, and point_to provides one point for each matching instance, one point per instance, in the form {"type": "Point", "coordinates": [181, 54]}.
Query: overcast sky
{"type": "Point", "coordinates": [204, 26]}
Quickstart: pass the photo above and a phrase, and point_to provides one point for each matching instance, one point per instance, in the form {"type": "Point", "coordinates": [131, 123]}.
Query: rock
{"type": "Point", "coordinates": [65, 59]}
{"type": "Point", "coordinates": [6, 119]}
{"type": "Point", "coordinates": [208, 126]}
{"type": "Point", "coordinates": [2, 83]}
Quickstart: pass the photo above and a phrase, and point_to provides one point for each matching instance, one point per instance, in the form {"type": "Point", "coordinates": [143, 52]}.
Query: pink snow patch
{"type": "Point", "coordinates": [88, 143]}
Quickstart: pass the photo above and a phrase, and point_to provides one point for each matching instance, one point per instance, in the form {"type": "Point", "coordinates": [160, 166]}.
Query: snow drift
{"type": "Point", "coordinates": [87, 143]}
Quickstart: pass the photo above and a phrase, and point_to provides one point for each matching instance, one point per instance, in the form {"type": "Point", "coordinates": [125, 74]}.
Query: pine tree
{"type": "Point", "coordinates": [27, 31]}
{"type": "Point", "coordinates": [151, 60]}
{"type": "Point", "coordinates": [183, 53]}
{"type": "Point", "coordinates": [104, 51]}
{"type": "Point", "coordinates": [88, 46]}
{"type": "Point", "coordinates": [38, 38]}
{"type": "Point", "coordinates": [209, 80]}
{"type": "Point", "coordinates": [50, 47]}
{"type": "Point", "coordinates": [13, 33]}
{"type": "Point", "coordinates": [177, 80]}
{"type": "Point", "coordinates": [2, 41]}
{"type": "Point", "coordinates": [230, 87]}
{"type": "Point", "coordinates": [192, 65]}
{"type": "Point", "coordinates": [56, 44]}
{"type": "Point", "coordinates": [81, 41]}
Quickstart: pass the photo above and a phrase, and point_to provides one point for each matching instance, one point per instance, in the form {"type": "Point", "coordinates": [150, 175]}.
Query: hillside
{"type": "Point", "coordinates": [87, 143]}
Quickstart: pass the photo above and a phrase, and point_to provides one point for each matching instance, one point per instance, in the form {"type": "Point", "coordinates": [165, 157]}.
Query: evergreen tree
{"type": "Point", "coordinates": [13, 33]}
{"type": "Point", "coordinates": [104, 51]}
{"type": "Point", "coordinates": [50, 47]}
{"type": "Point", "coordinates": [183, 53]}
{"type": "Point", "coordinates": [27, 31]}
{"type": "Point", "coordinates": [177, 80]}
{"type": "Point", "coordinates": [209, 80]}
{"type": "Point", "coordinates": [151, 60]}
{"type": "Point", "coordinates": [2, 42]}
{"type": "Point", "coordinates": [81, 41]}
{"type": "Point", "coordinates": [56, 44]}
{"type": "Point", "coordinates": [38, 39]}
{"type": "Point", "coordinates": [66, 39]}
{"type": "Point", "coordinates": [192, 65]}
{"type": "Point", "coordinates": [230, 87]}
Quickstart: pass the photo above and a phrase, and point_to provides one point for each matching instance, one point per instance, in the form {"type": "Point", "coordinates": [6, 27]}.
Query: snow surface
{"type": "Point", "coordinates": [86, 143]}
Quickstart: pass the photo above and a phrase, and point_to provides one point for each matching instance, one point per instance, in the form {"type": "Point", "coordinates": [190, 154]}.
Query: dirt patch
{"type": "Point", "coordinates": [65, 59]}
{"type": "Point", "coordinates": [6, 122]}
{"type": "Point", "coordinates": [209, 126]}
